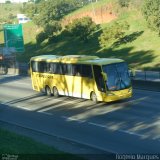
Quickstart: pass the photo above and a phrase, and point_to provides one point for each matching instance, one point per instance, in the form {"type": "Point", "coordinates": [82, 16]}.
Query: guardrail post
{"type": "Point", "coordinates": [145, 75]}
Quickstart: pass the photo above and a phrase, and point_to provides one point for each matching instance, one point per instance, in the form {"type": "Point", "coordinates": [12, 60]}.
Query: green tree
{"type": "Point", "coordinates": [50, 31]}
{"type": "Point", "coordinates": [151, 11]}
{"type": "Point", "coordinates": [113, 33]}
{"type": "Point", "coordinates": [52, 28]}
{"type": "Point", "coordinates": [48, 11]}
{"type": "Point", "coordinates": [82, 28]}
{"type": "Point", "coordinates": [124, 3]}
{"type": "Point", "coordinates": [30, 9]}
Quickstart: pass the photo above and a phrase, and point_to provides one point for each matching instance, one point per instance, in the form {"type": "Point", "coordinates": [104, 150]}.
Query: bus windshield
{"type": "Point", "coordinates": [118, 76]}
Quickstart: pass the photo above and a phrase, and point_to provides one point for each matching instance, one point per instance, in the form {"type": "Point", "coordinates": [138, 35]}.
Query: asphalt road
{"type": "Point", "coordinates": [127, 126]}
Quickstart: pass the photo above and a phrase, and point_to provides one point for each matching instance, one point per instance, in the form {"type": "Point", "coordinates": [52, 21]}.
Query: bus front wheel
{"type": "Point", "coordinates": [94, 97]}
{"type": "Point", "coordinates": [48, 91]}
{"type": "Point", "coordinates": [55, 92]}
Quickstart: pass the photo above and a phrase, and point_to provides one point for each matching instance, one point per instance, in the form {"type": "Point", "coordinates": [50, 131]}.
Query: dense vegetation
{"type": "Point", "coordinates": [133, 35]}
{"type": "Point", "coordinates": [8, 13]}
{"type": "Point", "coordinates": [151, 11]}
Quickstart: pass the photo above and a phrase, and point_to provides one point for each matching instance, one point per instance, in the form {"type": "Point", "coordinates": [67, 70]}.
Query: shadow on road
{"type": "Point", "coordinates": [10, 78]}
{"type": "Point", "coordinates": [139, 114]}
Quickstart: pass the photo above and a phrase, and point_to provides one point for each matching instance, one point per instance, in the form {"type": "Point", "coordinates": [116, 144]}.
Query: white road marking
{"type": "Point", "coordinates": [132, 133]}
{"type": "Point", "coordinates": [27, 84]}
{"type": "Point", "coordinates": [15, 106]}
{"type": "Point", "coordinates": [98, 125]}
{"type": "Point", "coordinates": [20, 107]}
{"type": "Point", "coordinates": [47, 113]}
{"type": "Point", "coordinates": [119, 130]}
{"type": "Point", "coordinates": [72, 119]}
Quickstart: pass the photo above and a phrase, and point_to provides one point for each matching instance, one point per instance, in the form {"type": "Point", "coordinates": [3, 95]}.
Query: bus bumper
{"type": "Point", "coordinates": [117, 95]}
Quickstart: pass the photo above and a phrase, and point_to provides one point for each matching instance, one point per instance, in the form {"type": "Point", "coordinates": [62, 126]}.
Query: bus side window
{"type": "Point", "coordinates": [42, 67]}
{"type": "Point", "coordinates": [55, 68]}
{"type": "Point", "coordinates": [76, 69]}
{"type": "Point", "coordinates": [34, 66]}
{"type": "Point", "coordinates": [67, 69]}
{"type": "Point", "coordinates": [98, 78]}
{"type": "Point", "coordinates": [86, 71]}
{"type": "Point", "coordinates": [64, 68]}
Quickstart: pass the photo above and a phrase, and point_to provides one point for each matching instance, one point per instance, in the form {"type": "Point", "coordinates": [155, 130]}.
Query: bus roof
{"type": "Point", "coordinates": [104, 61]}
{"type": "Point", "coordinates": [44, 58]}
{"type": "Point", "coordinates": [80, 59]}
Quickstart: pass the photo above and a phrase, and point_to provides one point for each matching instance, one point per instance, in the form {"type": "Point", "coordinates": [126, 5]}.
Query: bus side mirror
{"type": "Point", "coordinates": [104, 76]}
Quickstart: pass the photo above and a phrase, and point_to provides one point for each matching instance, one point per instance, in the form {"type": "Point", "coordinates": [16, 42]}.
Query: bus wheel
{"type": "Point", "coordinates": [48, 91]}
{"type": "Point", "coordinates": [55, 92]}
{"type": "Point", "coordinates": [94, 97]}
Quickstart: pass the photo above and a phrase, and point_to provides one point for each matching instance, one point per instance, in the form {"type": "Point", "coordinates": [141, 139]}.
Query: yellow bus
{"type": "Point", "coordinates": [89, 77]}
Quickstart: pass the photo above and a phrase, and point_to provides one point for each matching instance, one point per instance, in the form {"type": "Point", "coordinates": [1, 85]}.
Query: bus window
{"type": "Point", "coordinates": [66, 69]}
{"type": "Point", "coordinates": [86, 71]}
{"type": "Point", "coordinates": [99, 78]}
{"type": "Point", "coordinates": [76, 69]}
{"type": "Point", "coordinates": [55, 68]}
{"type": "Point", "coordinates": [42, 67]}
{"type": "Point", "coordinates": [34, 66]}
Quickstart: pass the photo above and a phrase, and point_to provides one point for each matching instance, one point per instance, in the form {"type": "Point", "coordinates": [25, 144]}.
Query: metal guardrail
{"type": "Point", "coordinates": [147, 75]}
{"type": "Point", "coordinates": [18, 69]}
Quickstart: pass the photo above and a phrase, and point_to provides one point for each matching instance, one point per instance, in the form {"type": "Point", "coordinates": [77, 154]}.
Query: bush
{"type": "Point", "coordinates": [151, 11]}
{"type": "Point", "coordinates": [124, 3]}
{"type": "Point", "coordinates": [41, 37]}
{"type": "Point", "coordinates": [82, 28]}
{"type": "Point", "coordinates": [50, 32]}
{"type": "Point", "coordinates": [113, 33]}
{"type": "Point", "coordinates": [52, 28]}
{"type": "Point", "coordinates": [8, 2]}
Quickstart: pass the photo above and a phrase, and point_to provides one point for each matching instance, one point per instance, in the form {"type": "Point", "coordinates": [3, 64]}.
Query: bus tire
{"type": "Point", "coordinates": [55, 92]}
{"type": "Point", "coordinates": [48, 91]}
{"type": "Point", "coordinates": [94, 97]}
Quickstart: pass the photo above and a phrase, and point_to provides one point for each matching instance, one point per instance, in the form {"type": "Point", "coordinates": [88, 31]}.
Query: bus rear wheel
{"type": "Point", "coordinates": [48, 91]}
{"type": "Point", "coordinates": [94, 97]}
{"type": "Point", "coordinates": [55, 92]}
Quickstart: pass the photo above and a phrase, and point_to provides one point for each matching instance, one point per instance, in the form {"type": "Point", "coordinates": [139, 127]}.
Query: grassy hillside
{"type": "Point", "coordinates": [22, 147]}
{"type": "Point", "coordinates": [103, 11]}
{"type": "Point", "coordinates": [141, 51]}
